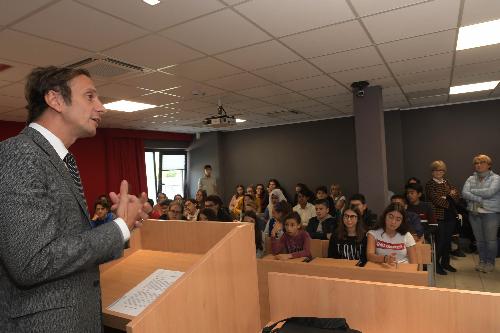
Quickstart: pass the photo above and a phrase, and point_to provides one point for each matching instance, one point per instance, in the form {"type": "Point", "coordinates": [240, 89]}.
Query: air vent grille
{"type": "Point", "coordinates": [107, 68]}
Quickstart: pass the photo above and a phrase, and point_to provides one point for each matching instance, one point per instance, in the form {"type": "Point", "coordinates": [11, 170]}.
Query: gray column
{"type": "Point", "coordinates": [370, 147]}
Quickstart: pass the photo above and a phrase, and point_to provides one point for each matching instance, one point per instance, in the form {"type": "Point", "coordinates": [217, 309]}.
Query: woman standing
{"type": "Point", "coordinates": [443, 197]}
{"type": "Point", "coordinates": [482, 192]}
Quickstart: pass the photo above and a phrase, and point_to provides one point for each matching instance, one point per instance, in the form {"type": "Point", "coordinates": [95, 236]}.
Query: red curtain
{"type": "Point", "coordinates": [126, 160]}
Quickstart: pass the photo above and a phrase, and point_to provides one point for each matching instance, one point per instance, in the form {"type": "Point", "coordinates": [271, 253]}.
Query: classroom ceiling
{"type": "Point", "coordinates": [269, 61]}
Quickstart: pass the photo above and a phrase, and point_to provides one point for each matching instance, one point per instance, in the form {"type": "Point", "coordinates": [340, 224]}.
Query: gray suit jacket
{"type": "Point", "coordinates": [49, 255]}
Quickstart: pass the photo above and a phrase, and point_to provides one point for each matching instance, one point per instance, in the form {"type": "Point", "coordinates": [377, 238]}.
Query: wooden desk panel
{"type": "Point", "coordinates": [369, 265]}
{"type": "Point", "coordinates": [130, 271]}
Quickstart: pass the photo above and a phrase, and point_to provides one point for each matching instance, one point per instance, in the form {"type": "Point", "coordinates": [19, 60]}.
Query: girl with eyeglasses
{"type": "Point", "coordinates": [349, 241]}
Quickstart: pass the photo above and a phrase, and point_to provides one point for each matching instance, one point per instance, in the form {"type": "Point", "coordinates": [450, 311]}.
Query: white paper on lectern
{"type": "Point", "coordinates": [137, 299]}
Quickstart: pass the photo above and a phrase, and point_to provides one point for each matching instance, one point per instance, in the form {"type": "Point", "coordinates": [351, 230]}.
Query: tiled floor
{"type": "Point", "coordinates": [469, 279]}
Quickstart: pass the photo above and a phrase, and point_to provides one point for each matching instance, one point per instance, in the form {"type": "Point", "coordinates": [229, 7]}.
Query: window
{"type": "Point", "coordinates": [166, 172]}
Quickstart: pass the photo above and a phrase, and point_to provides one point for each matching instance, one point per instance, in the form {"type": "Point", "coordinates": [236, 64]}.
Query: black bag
{"type": "Point", "coordinates": [310, 325]}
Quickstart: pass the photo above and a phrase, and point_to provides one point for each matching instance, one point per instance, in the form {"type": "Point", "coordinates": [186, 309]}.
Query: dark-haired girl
{"type": "Point", "coordinates": [349, 242]}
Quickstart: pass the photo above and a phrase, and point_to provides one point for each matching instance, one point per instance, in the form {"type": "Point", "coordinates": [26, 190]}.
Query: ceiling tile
{"type": "Point", "coordinates": [156, 99]}
{"type": "Point", "coordinates": [478, 68]}
{"type": "Point", "coordinates": [192, 104]}
{"type": "Point", "coordinates": [12, 101]}
{"type": "Point", "coordinates": [422, 64]}
{"type": "Point", "coordinates": [325, 91]}
{"type": "Point", "coordinates": [103, 32]}
{"type": "Point", "coordinates": [477, 11]}
{"type": "Point", "coordinates": [166, 52]}
{"type": "Point", "coordinates": [162, 15]}
{"type": "Point", "coordinates": [21, 48]}
{"type": "Point", "coordinates": [265, 91]}
{"type": "Point", "coordinates": [478, 54]}
{"type": "Point", "coordinates": [14, 10]}
{"type": "Point", "coordinates": [287, 72]}
{"type": "Point", "coordinates": [119, 91]}
{"type": "Point", "coordinates": [429, 100]}
{"type": "Point", "coordinates": [432, 75]}
{"type": "Point", "coordinates": [238, 82]}
{"type": "Point", "coordinates": [314, 82]}
{"type": "Point", "coordinates": [440, 42]}
{"type": "Point", "coordinates": [426, 86]}
{"type": "Point", "coordinates": [17, 72]}
{"type": "Point", "coordinates": [340, 99]}
{"type": "Point", "coordinates": [469, 79]}
{"type": "Point", "coordinates": [260, 55]}
{"type": "Point", "coordinates": [155, 81]}
{"type": "Point", "coordinates": [364, 7]}
{"type": "Point", "coordinates": [438, 15]}
{"type": "Point", "coordinates": [328, 40]}
{"type": "Point", "coordinates": [204, 69]}
{"type": "Point", "coordinates": [362, 74]}
{"type": "Point", "coordinates": [225, 98]}
{"type": "Point", "coordinates": [285, 98]}
{"type": "Point", "coordinates": [337, 62]}
{"type": "Point", "coordinates": [208, 35]}
{"type": "Point", "coordinates": [303, 105]}
{"type": "Point", "coordinates": [249, 104]}
{"type": "Point", "coordinates": [13, 90]}
{"type": "Point", "coordinates": [294, 15]}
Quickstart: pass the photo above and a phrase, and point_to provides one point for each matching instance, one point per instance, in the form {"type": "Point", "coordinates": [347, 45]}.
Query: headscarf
{"type": "Point", "coordinates": [276, 192]}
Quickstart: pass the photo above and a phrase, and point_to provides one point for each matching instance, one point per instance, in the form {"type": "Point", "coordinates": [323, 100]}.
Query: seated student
{"type": "Point", "coordinates": [250, 205]}
{"type": "Point", "coordinates": [414, 192]}
{"type": "Point", "coordinates": [190, 210]}
{"type": "Point", "coordinates": [391, 242]}
{"type": "Point", "coordinates": [304, 208]}
{"type": "Point", "coordinates": [153, 214]}
{"type": "Point", "coordinates": [369, 219]}
{"type": "Point", "coordinates": [102, 214]}
{"type": "Point", "coordinates": [215, 203]}
{"type": "Point", "coordinates": [322, 193]}
{"type": "Point", "coordinates": [206, 214]}
{"type": "Point", "coordinates": [201, 196]}
{"type": "Point", "coordinates": [280, 210]}
{"type": "Point", "coordinates": [275, 197]}
{"type": "Point", "coordinates": [236, 200]}
{"type": "Point", "coordinates": [161, 197]}
{"type": "Point", "coordinates": [164, 209]}
{"type": "Point", "coordinates": [338, 197]}
{"type": "Point", "coordinates": [416, 227]}
{"type": "Point", "coordinates": [251, 217]}
{"type": "Point", "coordinates": [323, 224]}
{"type": "Point", "coordinates": [294, 242]}
{"type": "Point", "coordinates": [179, 198]}
{"type": "Point", "coordinates": [174, 211]}
{"type": "Point", "coordinates": [261, 198]}
{"type": "Point", "coordinates": [349, 242]}
{"type": "Point", "coordinates": [298, 188]}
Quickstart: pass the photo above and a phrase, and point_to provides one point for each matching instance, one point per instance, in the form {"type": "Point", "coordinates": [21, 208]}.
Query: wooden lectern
{"type": "Point", "coordinates": [218, 291]}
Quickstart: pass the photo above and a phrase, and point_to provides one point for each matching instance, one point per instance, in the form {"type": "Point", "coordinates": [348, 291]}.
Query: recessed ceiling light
{"type": "Point", "coordinates": [128, 106]}
{"type": "Point", "coordinates": [238, 120]}
{"type": "Point", "coordinates": [466, 88]}
{"type": "Point", "coordinates": [151, 2]}
{"type": "Point", "coordinates": [477, 35]}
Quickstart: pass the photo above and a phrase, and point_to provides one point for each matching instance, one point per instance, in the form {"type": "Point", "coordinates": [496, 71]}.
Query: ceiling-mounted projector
{"type": "Point", "coordinates": [221, 119]}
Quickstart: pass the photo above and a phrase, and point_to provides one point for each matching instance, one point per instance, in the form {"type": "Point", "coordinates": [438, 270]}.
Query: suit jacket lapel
{"type": "Point", "coordinates": [58, 164]}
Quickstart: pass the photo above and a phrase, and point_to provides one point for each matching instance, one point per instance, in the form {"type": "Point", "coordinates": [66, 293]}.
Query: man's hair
{"type": "Point", "coordinates": [321, 188]}
{"type": "Point", "coordinates": [415, 187]}
{"type": "Point", "coordinates": [215, 199]}
{"type": "Point", "coordinates": [323, 202]}
{"type": "Point", "coordinates": [44, 79]}
{"type": "Point", "coordinates": [208, 166]}
{"type": "Point", "coordinates": [358, 196]}
{"type": "Point", "coordinates": [398, 197]}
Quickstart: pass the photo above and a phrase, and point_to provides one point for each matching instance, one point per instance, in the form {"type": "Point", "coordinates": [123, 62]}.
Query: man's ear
{"type": "Point", "coordinates": [54, 100]}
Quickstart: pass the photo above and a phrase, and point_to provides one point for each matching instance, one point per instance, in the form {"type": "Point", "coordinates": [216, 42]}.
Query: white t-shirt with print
{"type": "Point", "coordinates": [385, 245]}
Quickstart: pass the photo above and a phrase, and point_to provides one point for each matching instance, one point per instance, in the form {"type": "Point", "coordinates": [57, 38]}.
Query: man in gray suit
{"type": "Point", "coordinates": [49, 254]}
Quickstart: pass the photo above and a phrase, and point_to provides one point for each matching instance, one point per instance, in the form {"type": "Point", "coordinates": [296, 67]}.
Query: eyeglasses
{"type": "Point", "coordinates": [350, 217]}
{"type": "Point", "coordinates": [480, 162]}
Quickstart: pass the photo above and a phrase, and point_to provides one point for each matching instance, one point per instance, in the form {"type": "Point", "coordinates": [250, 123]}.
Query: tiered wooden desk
{"type": "Point", "coordinates": [217, 293]}
{"type": "Point", "coordinates": [374, 307]}
{"type": "Point", "coordinates": [338, 268]}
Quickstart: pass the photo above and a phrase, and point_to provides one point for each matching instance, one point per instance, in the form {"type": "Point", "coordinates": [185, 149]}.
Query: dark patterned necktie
{"type": "Point", "coordinates": [69, 159]}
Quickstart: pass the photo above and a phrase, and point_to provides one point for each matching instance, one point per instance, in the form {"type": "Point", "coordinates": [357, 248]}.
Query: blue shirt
{"type": "Point", "coordinates": [108, 218]}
